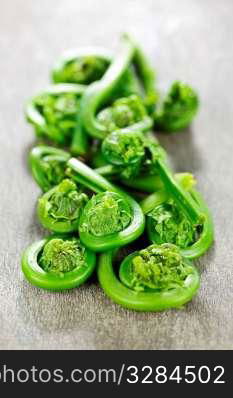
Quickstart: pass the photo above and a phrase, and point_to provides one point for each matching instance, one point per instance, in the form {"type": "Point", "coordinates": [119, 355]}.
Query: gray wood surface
{"type": "Point", "coordinates": [186, 39]}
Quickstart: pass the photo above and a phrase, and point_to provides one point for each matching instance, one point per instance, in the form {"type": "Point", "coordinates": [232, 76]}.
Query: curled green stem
{"type": "Point", "coordinates": [60, 209]}
{"type": "Point", "coordinates": [47, 165]}
{"type": "Point", "coordinates": [204, 233]}
{"type": "Point", "coordinates": [129, 215]}
{"type": "Point", "coordinates": [144, 300]}
{"type": "Point", "coordinates": [57, 263]}
{"type": "Point", "coordinates": [53, 113]}
{"type": "Point", "coordinates": [99, 92]}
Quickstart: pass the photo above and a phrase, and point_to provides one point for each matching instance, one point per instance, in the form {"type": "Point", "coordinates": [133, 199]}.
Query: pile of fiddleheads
{"type": "Point", "coordinates": [107, 187]}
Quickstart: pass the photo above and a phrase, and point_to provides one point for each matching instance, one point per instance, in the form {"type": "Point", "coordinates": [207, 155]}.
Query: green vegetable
{"type": "Point", "coordinates": [127, 222]}
{"type": "Point", "coordinates": [57, 263]}
{"type": "Point", "coordinates": [53, 113]}
{"type": "Point", "coordinates": [106, 213]}
{"type": "Point", "coordinates": [130, 155]}
{"type": "Point", "coordinates": [124, 112]}
{"type": "Point", "coordinates": [126, 86]}
{"type": "Point", "coordinates": [48, 165]}
{"type": "Point", "coordinates": [151, 183]}
{"type": "Point", "coordinates": [178, 108]}
{"type": "Point", "coordinates": [98, 93]}
{"type": "Point", "coordinates": [126, 151]}
{"type": "Point", "coordinates": [135, 152]}
{"type": "Point", "coordinates": [153, 279]}
{"type": "Point", "coordinates": [206, 235]}
{"type": "Point", "coordinates": [83, 66]}
{"type": "Point", "coordinates": [161, 195]}
{"type": "Point", "coordinates": [155, 268]}
{"type": "Point", "coordinates": [169, 224]}
{"type": "Point", "coordinates": [102, 108]}
{"type": "Point", "coordinates": [60, 209]}
{"type": "Point", "coordinates": [172, 226]}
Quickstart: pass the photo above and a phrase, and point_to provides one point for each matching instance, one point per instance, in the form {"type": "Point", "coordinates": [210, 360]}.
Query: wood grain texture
{"type": "Point", "coordinates": [186, 39]}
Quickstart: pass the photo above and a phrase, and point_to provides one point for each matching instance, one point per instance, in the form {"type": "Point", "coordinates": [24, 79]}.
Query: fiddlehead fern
{"type": "Point", "coordinates": [178, 108]}
{"type": "Point", "coordinates": [105, 214]}
{"type": "Point", "coordinates": [206, 234]}
{"type": "Point", "coordinates": [132, 153]}
{"type": "Point", "coordinates": [89, 64]}
{"type": "Point", "coordinates": [111, 218]}
{"type": "Point", "coordinates": [114, 99]}
{"type": "Point", "coordinates": [98, 93]}
{"type": "Point", "coordinates": [166, 223]}
{"type": "Point", "coordinates": [153, 279]}
{"type": "Point", "coordinates": [158, 267]}
{"type": "Point", "coordinates": [121, 149]}
{"type": "Point", "coordinates": [124, 150]}
{"type": "Point", "coordinates": [48, 165]}
{"type": "Point", "coordinates": [57, 263]}
{"type": "Point", "coordinates": [53, 113]}
{"type": "Point", "coordinates": [60, 256]}
{"type": "Point", "coordinates": [60, 208]}
{"type": "Point", "coordinates": [169, 224]}
{"type": "Point", "coordinates": [124, 112]}
{"type": "Point", "coordinates": [184, 220]}
{"type": "Point", "coordinates": [83, 66]}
